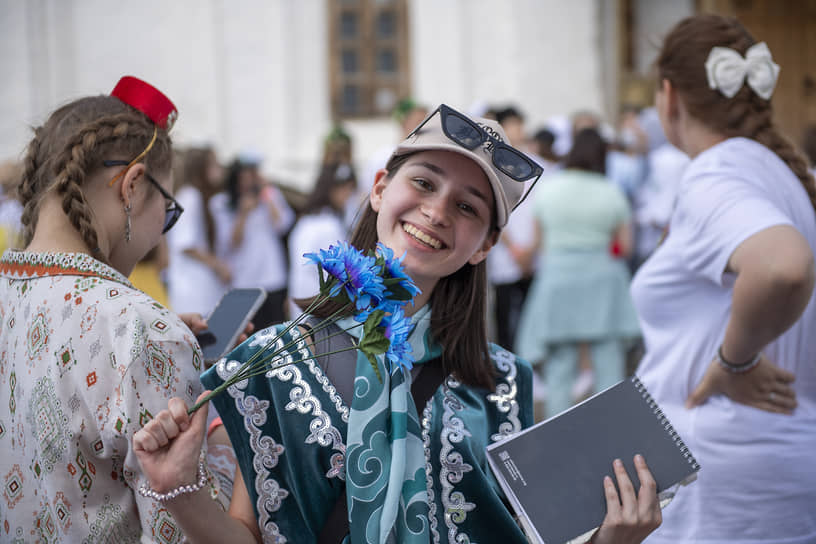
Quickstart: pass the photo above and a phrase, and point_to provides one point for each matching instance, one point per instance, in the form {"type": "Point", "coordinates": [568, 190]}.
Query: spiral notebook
{"type": "Point", "coordinates": [552, 472]}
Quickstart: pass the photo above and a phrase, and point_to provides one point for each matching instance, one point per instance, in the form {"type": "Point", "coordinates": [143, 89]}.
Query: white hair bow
{"type": "Point", "coordinates": [727, 70]}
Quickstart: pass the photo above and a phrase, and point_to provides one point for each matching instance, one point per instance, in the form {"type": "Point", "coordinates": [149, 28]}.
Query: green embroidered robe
{"type": "Point", "coordinates": [288, 428]}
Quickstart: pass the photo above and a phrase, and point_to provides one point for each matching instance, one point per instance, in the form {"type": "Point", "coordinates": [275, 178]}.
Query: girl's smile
{"type": "Point", "coordinates": [423, 237]}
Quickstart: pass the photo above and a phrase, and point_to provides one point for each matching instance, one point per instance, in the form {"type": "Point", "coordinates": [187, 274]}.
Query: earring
{"type": "Point", "coordinates": [127, 223]}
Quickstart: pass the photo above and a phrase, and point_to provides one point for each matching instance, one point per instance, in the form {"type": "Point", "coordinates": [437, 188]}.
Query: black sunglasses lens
{"type": "Point", "coordinates": [511, 163]}
{"type": "Point", "coordinates": [462, 132]}
{"type": "Point", "coordinates": [170, 218]}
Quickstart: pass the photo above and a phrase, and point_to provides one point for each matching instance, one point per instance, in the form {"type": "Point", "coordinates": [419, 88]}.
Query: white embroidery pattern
{"type": "Point", "coordinates": [267, 452]}
{"type": "Point", "coordinates": [452, 465]}
{"type": "Point", "coordinates": [321, 430]}
{"type": "Point", "coordinates": [427, 418]}
{"type": "Point", "coordinates": [329, 388]}
{"type": "Point", "coordinates": [505, 396]}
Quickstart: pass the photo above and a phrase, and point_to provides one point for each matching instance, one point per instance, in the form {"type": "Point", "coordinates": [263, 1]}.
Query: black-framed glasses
{"type": "Point", "coordinates": [510, 161]}
{"type": "Point", "coordinates": [173, 210]}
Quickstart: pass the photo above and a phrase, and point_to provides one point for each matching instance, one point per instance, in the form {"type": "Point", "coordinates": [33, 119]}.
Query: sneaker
{"type": "Point", "coordinates": [583, 385]}
{"type": "Point", "coordinates": [539, 388]}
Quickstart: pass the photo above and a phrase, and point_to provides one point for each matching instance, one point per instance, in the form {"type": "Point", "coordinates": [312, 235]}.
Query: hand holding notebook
{"type": "Point", "coordinates": [631, 514]}
{"type": "Point", "coordinates": [553, 473]}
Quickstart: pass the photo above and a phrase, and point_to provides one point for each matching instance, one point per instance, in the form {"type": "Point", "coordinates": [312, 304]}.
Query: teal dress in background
{"type": "Point", "coordinates": [289, 428]}
{"type": "Point", "coordinates": [580, 293]}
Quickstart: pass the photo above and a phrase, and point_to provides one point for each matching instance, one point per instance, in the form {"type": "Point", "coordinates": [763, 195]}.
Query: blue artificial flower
{"type": "Point", "coordinates": [327, 260]}
{"type": "Point", "coordinates": [383, 304]}
{"type": "Point", "coordinates": [361, 279]}
{"type": "Point", "coordinates": [355, 273]}
{"type": "Point", "coordinates": [394, 271]}
{"type": "Point", "coordinates": [397, 329]}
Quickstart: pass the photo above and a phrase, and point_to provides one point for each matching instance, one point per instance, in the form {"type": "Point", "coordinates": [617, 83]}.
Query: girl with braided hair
{"type": "Point", "coordinates": [86, 358]}
{"type": "Point", "coordinates": [726, 302]}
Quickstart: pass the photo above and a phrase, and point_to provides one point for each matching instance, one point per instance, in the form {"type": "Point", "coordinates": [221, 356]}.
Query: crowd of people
{"type": "Point", "coordinates": [687, 231]}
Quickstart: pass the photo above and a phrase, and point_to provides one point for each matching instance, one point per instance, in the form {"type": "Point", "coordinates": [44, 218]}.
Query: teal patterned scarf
{"type": "Point", "coordinates": [385, 459]}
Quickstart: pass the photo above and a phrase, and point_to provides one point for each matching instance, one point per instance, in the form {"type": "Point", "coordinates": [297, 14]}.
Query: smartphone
{"type": "Point", "coordinates": [227, 321]}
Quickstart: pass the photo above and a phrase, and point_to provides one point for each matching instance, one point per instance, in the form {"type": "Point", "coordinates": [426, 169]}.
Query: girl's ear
{"type": "Point", "coordinates": [128, 183]}
{"type": "Point", "coordinates": [481, 254]}
{"type": "Point", "coordinates": [671, 98]}
{"type": "Point", "coordinates": [380, 182]}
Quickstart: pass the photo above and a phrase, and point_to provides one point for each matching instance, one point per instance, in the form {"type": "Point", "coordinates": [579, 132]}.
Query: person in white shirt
{"type": "Point", "coordinates": [726, 302]}
{"type": "Point", "coordinates": [251, 218]}
{"type": "Point", "coordinates": [196, 277]}
{"type": "Point", "coordinates": [320, 226]}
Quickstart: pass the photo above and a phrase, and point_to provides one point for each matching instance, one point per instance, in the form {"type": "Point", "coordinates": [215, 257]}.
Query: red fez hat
{"type": "Point", "coordinates": [147, 99]}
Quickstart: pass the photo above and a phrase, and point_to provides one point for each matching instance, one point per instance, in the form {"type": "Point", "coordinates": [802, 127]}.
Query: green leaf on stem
{"type": "Point", "coordinates": [373, 362]}
{"type": "Point", "coordinates": [396, 290]}
{"type": "Point", "coordinates": [373, 341]}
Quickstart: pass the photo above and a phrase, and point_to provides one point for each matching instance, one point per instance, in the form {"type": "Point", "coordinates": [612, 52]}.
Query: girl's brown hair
{"type": "Point", "coordinates": [682, 62]}
{"type": "Point", "coordinates": [588, 152]}
{"type": "Point", "coordinates": [458, 302]}
{"type": "Point", "coordinates": [72, 144]}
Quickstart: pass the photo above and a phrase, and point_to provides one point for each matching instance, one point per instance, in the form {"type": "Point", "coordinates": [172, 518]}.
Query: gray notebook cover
{"type": "Point", "coordinates": [553, 472]}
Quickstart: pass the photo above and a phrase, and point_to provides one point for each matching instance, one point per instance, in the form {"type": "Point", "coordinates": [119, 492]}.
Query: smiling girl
{"type": "Point", "coordinates": [328, 452]}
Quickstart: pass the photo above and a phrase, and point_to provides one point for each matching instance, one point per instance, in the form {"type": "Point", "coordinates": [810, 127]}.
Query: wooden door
{"type": "Point", "coordinates": [789, 29]}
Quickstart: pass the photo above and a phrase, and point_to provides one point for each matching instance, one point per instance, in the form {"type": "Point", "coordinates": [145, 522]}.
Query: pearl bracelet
{"type": "Point", "coordinates": [737, 369]}
{"type": "Point", "coordinates": [146, 491]}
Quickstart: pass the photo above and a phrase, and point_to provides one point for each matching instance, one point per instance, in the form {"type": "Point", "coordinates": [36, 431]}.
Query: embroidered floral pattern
{"type": "Point", "coordinates": [49, 426]}
{"type": "Point", "coordinates": [165, 530]}
{"type": "Point", "coordinates": [321, 429]}
{"type": "Point", "coordinates": [75, 384]}
{"type": "Point", "coordinates": [427, 419]}
{"type": "Point", "coordinates": [111, 525]}
{"type": "Point", "coordinates": [453, 467]}
{"type": "Point", "coordinates": [13, 486]}
{"type": "Point", "coordinates": [451, 487]}
{"type": "Point", "coordinates": [321, 378]}
{"type": "Point", "coordinates": [505, 396]}
{"type": "Point", "coordinates": [267, 452]}
{"type": "Point", "coordinates": [25, 265]}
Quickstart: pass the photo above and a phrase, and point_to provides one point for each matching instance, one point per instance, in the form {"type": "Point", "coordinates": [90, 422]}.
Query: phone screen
{"type": "Point", "coordinates": [228, 320]}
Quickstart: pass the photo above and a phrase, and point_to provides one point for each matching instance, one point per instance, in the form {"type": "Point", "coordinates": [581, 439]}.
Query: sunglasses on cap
{"type": "Point", "coordinates": [173, 210]}
{"type": "Point", "coordinates": [467, 133]}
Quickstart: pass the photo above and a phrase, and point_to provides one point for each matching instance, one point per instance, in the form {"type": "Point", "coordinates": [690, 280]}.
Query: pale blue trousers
{"type": "Point", "coordinates": [561, 369]}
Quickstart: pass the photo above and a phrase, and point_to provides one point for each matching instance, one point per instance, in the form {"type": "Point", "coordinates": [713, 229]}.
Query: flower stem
{"type": "Point", "coordinates": [259, 362]}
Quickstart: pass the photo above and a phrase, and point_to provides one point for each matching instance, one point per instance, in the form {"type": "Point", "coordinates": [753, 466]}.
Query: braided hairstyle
{"type": "Point", "coordinates": [71, 146]}
{"type": "Point", "coordinates": [682, 62]}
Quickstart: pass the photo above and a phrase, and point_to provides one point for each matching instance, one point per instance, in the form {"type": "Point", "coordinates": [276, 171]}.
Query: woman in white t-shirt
{"type": "Point", "coordinates": [320, 226]}
{"type": "Point", "coordinates": [196, 277]}
{"type": "Point", "coordinates": [251, 219]}
{"type": "Point", "coordinates": [726, 302]}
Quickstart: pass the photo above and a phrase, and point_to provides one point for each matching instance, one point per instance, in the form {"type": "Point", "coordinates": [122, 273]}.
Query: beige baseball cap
{"type": "Point", "coordinates": [484, 142]}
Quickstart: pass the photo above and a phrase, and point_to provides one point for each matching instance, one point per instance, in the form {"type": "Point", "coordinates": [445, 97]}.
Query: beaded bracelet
{"type": "Point", "coordinates": [734, 368]}
{"type": "Point", "coordinates": [146, 491]}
